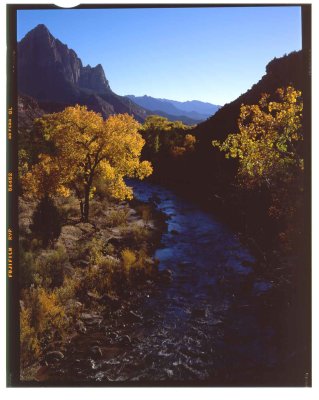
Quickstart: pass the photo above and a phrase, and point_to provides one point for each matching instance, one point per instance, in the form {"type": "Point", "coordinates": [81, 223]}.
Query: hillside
{"type": "Point", "coordinates": [280, 72]}
{"type": "Point", "coordinates": [208, 172]}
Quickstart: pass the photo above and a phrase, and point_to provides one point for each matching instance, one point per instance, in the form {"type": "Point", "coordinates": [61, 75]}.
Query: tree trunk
{"type": "Point", "coordinates": [82, 210]}
{"type": "Point", "coordinates": [86, 204]}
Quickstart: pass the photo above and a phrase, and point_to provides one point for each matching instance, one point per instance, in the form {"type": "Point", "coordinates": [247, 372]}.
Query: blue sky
{"type": "Point", "coordinates": [208, 54]}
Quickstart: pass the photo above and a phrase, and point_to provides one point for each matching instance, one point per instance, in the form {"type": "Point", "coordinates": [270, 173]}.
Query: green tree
{"type": "Point", "coordinates": [153, 129]}
{"type": "Point", "coordinates": [166, 136]}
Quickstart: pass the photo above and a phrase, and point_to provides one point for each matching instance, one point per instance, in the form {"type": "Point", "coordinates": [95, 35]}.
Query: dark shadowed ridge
{"type": "Point", "coordinates": [54, 75]}
{"type": "Point", "coordinates": [280, 72]}
{"type": "Point", "coordinates": [209, 172]}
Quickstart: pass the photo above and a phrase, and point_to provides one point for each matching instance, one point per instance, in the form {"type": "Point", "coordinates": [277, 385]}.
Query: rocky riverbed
{"type": "Point", "coordinates": [201, 319]}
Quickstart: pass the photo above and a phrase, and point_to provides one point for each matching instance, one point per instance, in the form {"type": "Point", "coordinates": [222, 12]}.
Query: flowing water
{"type": "Point", "coordinates": [204, 327]}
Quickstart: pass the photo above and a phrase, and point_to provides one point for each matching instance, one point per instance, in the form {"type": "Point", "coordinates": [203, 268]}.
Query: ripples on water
{"type": "Point", "coordinates": [203, 327]}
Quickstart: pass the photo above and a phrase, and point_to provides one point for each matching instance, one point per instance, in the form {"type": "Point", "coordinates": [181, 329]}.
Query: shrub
{"type": "Point", "coordinates": [67, 290]}
{"type": "Point", "coordinates": [95, 251]}
{"type": "Point", "coordinates": [45, 313]}
{"type": "Point", "coordinates": [144, 268]}
{"type": "Point", "coordinates": [141, 258]}
{"type": "Point", "coordinates": [49, 267]}
{"type": "Point", "coordinates": [128, 258]}
{"type": "Point", "coordinates": [99, 278]}
{"type": "Point", "coordinates": [68, 208]}
{"type": "Point", "coordinates": [145, 212]}
{"type": "Point", "coordinates": [26, 267]}
{"type": "Point", "coordinates": [47, 222]}
{"type": "Point", "coordinates": [42, 316]}
{"type": "Point", "coordinates": [116, 217]}
{"type": "Point", "coordinates": [29, 344]}
{"type": "Point", "coordinates": [109, 249]}
{"type": "Point", "coordinates": [48, 314]}
{"type": "Point", "coordinates": [98, 208]}
{"type": "Point", "coordinates": [136, 235]}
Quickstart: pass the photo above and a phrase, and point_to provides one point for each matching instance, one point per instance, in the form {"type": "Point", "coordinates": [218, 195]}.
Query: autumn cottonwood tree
{"type": "Point", "coordinates": [266, 144]}
{"type": "Point", "coordinates": [268, 147]}
{"type": "Point", "coordinates": [87, 148]}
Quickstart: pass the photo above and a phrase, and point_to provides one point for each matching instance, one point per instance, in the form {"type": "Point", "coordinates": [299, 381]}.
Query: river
{"type": "Point", "coordinates": [204, 327]}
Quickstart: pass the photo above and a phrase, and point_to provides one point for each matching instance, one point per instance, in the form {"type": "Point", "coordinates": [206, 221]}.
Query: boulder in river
{"type": "Point", "coordinates": [52, 357]}
{"type": "Point", "coordinates": [91, 318]}
{"type": "Point", "coordinates": [165, 276]}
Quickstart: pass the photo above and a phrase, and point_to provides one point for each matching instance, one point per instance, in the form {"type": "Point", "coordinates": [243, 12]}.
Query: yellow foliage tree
{"type": "Point", "coordinates": [266, 144]}
{"type": "Point", "coordinates": [189, 142]}
{"type": "Point", "coordinates": [86, 148]}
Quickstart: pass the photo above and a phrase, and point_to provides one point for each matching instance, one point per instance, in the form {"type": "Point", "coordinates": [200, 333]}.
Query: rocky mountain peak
{"type": "Point", "coordinates": [53, 74]}
{"type": "Point", "coordinates": [94, 78]}
{"type": "Point", "coordinates": [46, 65]}
{"type": "Point", "coordinates": [39, 31]}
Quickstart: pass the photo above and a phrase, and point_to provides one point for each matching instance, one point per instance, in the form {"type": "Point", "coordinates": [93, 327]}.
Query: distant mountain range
{"type": "Point", "coordinates": [53, 75]}
{"type": "Point", "coordinates": [192, 112]}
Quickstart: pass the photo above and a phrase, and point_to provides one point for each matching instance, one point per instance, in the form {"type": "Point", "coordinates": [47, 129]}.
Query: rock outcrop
{"type": "Point", "coordinates": [54, 75]}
